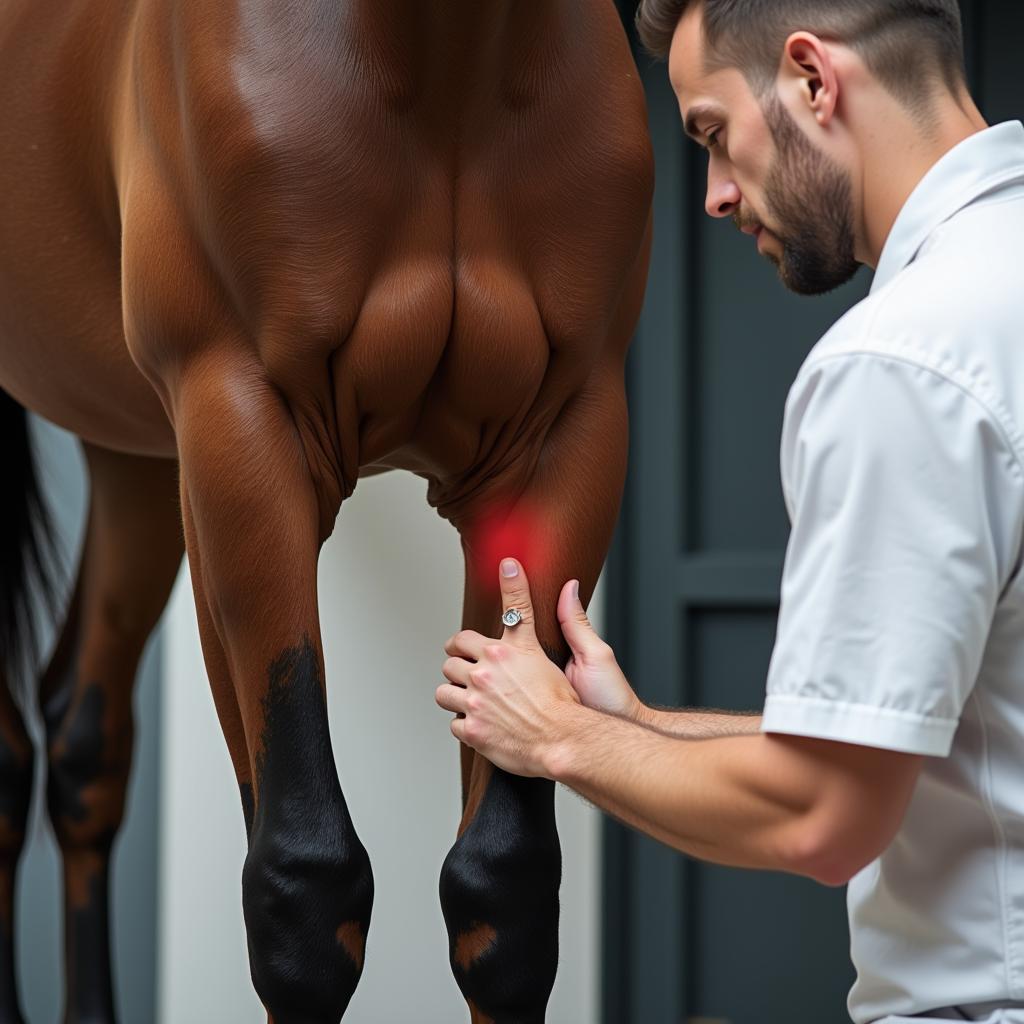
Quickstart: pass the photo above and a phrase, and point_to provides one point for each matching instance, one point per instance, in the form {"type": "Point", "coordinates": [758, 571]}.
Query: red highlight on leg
{"type": "Point", "coordinates": [519, 532]}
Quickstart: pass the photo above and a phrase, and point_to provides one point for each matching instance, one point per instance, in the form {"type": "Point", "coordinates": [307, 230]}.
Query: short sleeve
{"type": "Point", "coordinates": [905, 499]}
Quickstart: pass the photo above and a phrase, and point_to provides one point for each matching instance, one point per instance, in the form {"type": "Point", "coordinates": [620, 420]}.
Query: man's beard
{"type": "Point", "coordinates": [810, 197]}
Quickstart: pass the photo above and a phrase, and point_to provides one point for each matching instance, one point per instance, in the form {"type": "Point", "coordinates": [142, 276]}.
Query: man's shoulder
{"type": "Point", "coordinates": [956, 310]}
{"type": "Point", "coordinates": [895, 330]}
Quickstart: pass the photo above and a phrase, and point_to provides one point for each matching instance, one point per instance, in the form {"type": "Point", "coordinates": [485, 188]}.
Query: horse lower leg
{"type": "Point", "coordinates": [499, 894]}
{"type": "Point", "coordinates": [218, 672]}
{"type": "Point", "coordinates": [16, 772]}
{"type": "Point", "coordinates": [89, 740]}
{"type": "Point", "coordinates": [307, 886]}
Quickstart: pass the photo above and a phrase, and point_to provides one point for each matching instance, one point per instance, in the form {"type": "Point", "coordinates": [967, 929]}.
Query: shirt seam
{"type": "Point", "coordinates": [1000, 416]}
{"type": "Point", "coordinates": [1003, 423]}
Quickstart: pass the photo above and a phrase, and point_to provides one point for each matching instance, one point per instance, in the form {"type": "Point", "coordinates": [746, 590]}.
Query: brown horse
{"type": "Point", "coordinates": [249, 253]}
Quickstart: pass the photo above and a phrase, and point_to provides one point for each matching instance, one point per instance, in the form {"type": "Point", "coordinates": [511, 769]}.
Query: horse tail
{"type": "Point", "coordinates": [27, 545]}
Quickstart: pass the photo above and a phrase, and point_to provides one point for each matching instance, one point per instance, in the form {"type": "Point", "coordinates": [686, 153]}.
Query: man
{"type": "Point", "coordinates": [840, 132]}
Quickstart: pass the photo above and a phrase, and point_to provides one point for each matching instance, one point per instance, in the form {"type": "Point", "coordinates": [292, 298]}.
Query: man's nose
{"type": "Point", "coordinates": [723, 196]}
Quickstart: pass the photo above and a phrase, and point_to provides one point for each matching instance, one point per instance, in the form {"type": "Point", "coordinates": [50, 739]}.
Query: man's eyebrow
{"type": "Point", "coordinates": [694, 115]}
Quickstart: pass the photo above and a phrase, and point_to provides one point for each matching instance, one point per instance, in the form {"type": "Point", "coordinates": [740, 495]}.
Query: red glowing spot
{"type": "Point", "coordinates": [520, 533]}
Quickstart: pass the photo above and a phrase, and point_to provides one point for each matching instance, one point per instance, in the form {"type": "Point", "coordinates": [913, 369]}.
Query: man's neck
{"type": "Point", "coordinates": [897, 159]}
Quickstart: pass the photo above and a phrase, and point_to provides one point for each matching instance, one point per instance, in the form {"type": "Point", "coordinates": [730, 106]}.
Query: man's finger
{"type": "Point", "coordinates": [515, 593]}
{"type": "Point", "coordinates": [467, 644]}
{"type": "Point", "coordinates": [456, 670]}
{"type": "Point", "coordinates": [451, 698]}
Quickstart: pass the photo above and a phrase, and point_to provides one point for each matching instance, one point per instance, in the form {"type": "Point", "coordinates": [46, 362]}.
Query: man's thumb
{"type": "Point", "coordinates": [573, 616]}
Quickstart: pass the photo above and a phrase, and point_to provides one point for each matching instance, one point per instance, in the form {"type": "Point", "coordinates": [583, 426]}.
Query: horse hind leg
{"type": "Point", "coordinates": [131, 555]}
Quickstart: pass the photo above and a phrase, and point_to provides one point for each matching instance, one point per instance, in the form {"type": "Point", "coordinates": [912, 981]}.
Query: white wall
{"type": "Point", "coordinates": [392, 569]}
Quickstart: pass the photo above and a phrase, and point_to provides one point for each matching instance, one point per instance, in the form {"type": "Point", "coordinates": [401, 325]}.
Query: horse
{"type": "Point", "coordinates": [250, 253]}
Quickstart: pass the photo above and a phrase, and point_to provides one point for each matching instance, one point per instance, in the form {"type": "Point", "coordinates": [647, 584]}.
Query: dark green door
{"type": "Point", "coordinates": [695, 570]}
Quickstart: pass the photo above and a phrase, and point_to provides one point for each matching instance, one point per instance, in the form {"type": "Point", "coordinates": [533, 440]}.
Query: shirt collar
{"type": "Point", "coordinates": [981, 163]}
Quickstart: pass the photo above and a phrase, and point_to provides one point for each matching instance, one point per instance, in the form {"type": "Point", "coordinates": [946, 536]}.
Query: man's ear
{"type": "Point", "coordinates": [806, 60]}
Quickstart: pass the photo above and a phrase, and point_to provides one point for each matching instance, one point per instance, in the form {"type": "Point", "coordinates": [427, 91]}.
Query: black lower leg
{"type": "Point", "coordinates": [16, 771]}
{"type": "Point", "coordinates": [499, 895]}
{"type": "Point", "coordinates": [90, 994]}
{"type": "Point", "coordinates": [307, 887]}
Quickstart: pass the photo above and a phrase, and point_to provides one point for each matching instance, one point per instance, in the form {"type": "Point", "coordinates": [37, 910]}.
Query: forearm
{"type": "Point", "coordinates": [733, 800]}
{"type": "Point", "coordinates": [699, 723]}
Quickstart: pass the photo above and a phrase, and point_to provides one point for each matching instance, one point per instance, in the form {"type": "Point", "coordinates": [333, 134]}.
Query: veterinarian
{"type": "Point", "coordinates": [890, 754]}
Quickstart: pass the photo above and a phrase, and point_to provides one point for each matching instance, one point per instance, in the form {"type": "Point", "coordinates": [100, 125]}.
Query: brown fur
{"type": "Point", "coordinates": [472, 945]}
{"type": "Point", "coordinates": [351, 937]}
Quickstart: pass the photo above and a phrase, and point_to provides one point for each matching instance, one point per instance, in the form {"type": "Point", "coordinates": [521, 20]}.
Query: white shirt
{"type": "Point", "coordinates": [902, 616]}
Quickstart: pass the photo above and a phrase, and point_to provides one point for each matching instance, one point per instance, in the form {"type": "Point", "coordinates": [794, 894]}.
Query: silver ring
{"type": "Point", "coordinates": [512, 617]}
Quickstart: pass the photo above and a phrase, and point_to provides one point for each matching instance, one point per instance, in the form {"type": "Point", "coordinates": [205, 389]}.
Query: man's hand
{"type": "Point", "coordinates": [513, 705]}
{"type": "Point", "coordinates": [592, 670]}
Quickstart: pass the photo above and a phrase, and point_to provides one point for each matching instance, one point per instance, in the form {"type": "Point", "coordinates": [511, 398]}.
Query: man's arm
{"type": "Point", "coordinates": [812, 807]}
{"type": "Point", "coordinates": [698, 723]}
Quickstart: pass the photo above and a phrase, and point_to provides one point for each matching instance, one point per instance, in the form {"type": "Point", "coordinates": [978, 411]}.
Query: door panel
{"type": "Point", "coordinates": [738, 919]}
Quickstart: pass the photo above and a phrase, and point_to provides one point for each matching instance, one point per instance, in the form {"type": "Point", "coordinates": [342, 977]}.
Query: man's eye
{"type": "Point", "coordinates": [713, 138]}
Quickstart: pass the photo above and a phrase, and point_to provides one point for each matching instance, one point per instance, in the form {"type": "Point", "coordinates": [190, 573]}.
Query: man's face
{"type": "Point", "coordinates": [764, 171]}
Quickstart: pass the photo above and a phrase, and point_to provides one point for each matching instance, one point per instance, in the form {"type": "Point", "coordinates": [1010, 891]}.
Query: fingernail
{"type": "Point", "coordinates": [509, 568]}
{"type": "Point", "coordinates": [576, 589]}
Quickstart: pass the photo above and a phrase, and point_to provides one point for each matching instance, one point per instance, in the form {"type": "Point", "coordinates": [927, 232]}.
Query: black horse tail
{"type": "Point", "coordinates": [28, 553]}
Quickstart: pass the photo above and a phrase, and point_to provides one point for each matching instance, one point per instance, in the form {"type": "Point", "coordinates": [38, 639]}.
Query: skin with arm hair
{"type": "Point", "coordinates": [699, 723]}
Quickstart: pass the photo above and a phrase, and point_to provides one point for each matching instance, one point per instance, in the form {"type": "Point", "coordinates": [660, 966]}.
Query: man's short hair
{"type": "Point", "coordinates": [908, 45]}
